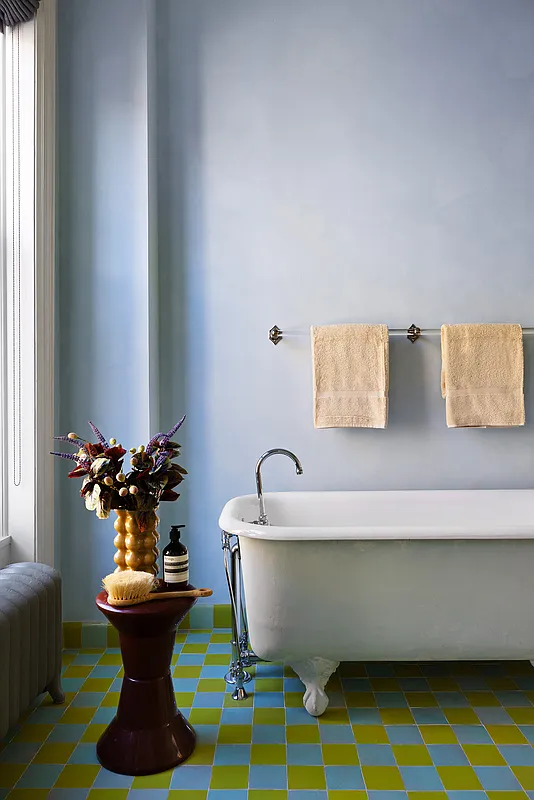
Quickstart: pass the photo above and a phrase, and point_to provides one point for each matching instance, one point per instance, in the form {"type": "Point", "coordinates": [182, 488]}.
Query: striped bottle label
{"type": "Point", "coordinates": [176, 569]}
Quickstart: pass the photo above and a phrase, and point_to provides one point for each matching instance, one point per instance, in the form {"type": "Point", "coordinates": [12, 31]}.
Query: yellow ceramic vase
{"type": "Point", "coordinates": [136, 550]}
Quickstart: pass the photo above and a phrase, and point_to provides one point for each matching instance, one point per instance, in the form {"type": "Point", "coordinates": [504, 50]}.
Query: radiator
{"type": "Point", "coordinates": [30, 638]}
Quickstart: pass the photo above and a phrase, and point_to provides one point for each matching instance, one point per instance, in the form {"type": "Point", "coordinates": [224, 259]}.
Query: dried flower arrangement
{"type": "Point", "coordinates": [152, 479]}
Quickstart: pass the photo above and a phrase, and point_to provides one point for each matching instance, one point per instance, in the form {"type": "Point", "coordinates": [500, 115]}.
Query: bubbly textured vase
{"type": "Point", "coordinates": [136, 549]}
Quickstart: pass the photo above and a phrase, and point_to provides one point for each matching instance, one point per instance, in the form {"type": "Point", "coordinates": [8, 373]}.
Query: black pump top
{"type": "Point", "coordinates": [175, 532]}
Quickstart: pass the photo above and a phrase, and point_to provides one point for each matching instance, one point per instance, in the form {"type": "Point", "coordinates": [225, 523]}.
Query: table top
{"type": "Point", "coordinates": [151, 608]}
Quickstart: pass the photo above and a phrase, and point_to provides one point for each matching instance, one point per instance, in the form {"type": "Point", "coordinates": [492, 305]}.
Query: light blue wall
{"type": "Point", "coordinates": [317, 162]}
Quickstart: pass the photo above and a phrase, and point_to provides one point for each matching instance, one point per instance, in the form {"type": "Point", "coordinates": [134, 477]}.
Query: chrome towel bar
{"type": "Point", "coordinates": [412, 333]}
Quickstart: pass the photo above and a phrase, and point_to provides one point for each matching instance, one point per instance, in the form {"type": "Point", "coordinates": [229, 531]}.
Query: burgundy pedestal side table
{"type": "Point", "coordinates": [148, 733]}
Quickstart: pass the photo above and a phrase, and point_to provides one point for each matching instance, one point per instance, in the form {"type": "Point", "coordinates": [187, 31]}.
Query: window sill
{"type": "Point", "coordinates": [5, 541]}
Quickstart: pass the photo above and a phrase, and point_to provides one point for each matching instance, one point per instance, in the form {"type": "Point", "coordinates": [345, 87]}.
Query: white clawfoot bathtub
{"type": "Point", "coordinates": [397, 576]}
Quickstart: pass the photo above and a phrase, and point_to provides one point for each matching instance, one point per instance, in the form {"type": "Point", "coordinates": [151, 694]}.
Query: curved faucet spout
{"type": "Point", "coordinates": [262, 519]}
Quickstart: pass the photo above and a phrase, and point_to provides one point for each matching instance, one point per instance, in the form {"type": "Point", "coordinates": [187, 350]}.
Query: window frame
{"type": "Point", "coordinates": [27, 223]}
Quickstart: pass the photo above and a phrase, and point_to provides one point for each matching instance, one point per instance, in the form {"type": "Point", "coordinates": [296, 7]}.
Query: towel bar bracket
{"type": "Point", "coordinates": [413, 333]}
{"type": "Point", "coordinates": [275, 335]}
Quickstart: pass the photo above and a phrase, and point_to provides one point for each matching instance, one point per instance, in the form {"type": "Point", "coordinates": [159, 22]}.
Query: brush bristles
{"type": "Point", "coordinates": [127, 585]}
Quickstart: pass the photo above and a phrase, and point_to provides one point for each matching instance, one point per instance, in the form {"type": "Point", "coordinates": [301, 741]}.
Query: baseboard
{"type": "Point", "coordinates": [99, 635]}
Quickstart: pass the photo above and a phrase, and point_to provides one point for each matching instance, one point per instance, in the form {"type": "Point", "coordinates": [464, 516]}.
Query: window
{"type": "Point", "coordinates": [27, 149]}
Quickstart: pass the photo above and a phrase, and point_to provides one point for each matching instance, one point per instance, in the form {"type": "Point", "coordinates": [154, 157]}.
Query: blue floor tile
{"type": "Point", "coordinates": [451, 699]}
{"type": "Point", "coordinates": [518, 755]}
{"type": "Point", "coordinates": [344, 777]}
{"type": "Point", "coordinates": [299, 716]}
{"type": "Point", "coordinates": [404, 734]}
{"type": "Point", "coordinates": [89, 699]}
{"type": "Point", "coordinates": [191, 659]}
{"type": "Point", "coordinates": [148, 794]}
{"type": "Point", "coordinates": [267, 776]}
{"type": "Point", "coordinates": [185, 684]}
{"type": "Point", "coordinates": [269, 734]}
{"type": "Point", "coordinates": [72, 684]}
{"type": "Point", "coordinates": [48, 715]}
{"type": "Point", "coordinates": [307, 794]}
{"type": "Point", "coordinates": [465, 795]}
{"type": "Point", "coordinates": [104, 671]}
{"type": "Point", "coordinates": [191, 777]}
{"type": "Point", "coordinates": [116, 686]}
{"type": "Point", "coordinates": [237, 716]}
{"type": "Point", "coordinates": [104, 715]}
{"type": "Point", "coordinates": [429, 716]}
{"type": "Point", "coordinates": [472, 683]}
{"type": "Point", "coordinates": [494, 716]}
{"type": "Point", "coordinates": [87, 660]}
{"type": "Point", "coordinates": [198, 638]}
{"type": "Point", "coordinates": [269, 670]}
{"type": "Point", "coordinates": [472, 734]}
{"type": "Point", "coordinates": [376, 755]}
{"type": "Point", "coordinates": [226, 754]}
{"type": "Point", "coordinates": [40, 776]}
{"type": "Point", "coordinates": [447, 755]}
{"type": "Point", "coordinates": [414, 685]}
{"type": "Point", "coordinates": [67, 733]}
{"type": "Point", "coordinates": [528, 732]}
{"type": "Point", "coordinates": [208, 700]}
{"type": "Point", "coordinates": [379, 669]}
{"type": "Point", "coordinates": [220, 649]}
{"type": "Point", "coordinates": [513, 699]}
{"type": "Point", "coordinates": [19, 752]}
{"type": "Point", "coordinates": [207, 734]}
{"type": "Point", "coordinates": [365, 716]}
{"type": "Point", "coordinates": [336, 734]}
{"type": "Point", "coordinates": [214, 671]}
{"type": "Point", "coordinates": [84, 753]}
{"type": "Point", "coordinates": [356, 684]}
{"type": "Point", "coordinates": [110, 780]}
{"type": "Point", "coordinates": [304, 754]}
{"type": "Point", "coordinates": [269, 700]}
{"type": "Point", "coordinates": [497, 779]}
{"type": "Point", "coordinates": [390, 700]}
{"type": "Point", "coordinates": [421, 779]}
{"type": "Point", "coordinates": [524, 683]}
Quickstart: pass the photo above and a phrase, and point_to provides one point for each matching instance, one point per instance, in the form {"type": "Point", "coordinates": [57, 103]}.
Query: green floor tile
{"type": "Point", "coordinates": [299, 777]}
{"type": "Point", "coordinates": [501, 685]}
{"type": "Point", "coordinates": [481, 699]}
{"type": "Point", "coordinates": [229, 777]}
{"type": "Point", "coordinates": [303, 734]}
{"type": "Point", "coordinates": [340, 755]}
{"type": "Point", "coordinates": [205, 716]}
{"type": "Point", "coordinates": [293, 699]}
{"type": "Point", "coordinates": [270, 685]}
{"type": "Point", "coordinates": [222, 616]}
{"type": "Point", "coordinates": [9, 774]}
{"type": "Point", "coordinates": [382, 779]}
{"type": "Point", "coordinates": [203, 754]}
{"type": "Point", "coordinates": [421, 700]}
{"type": "Point", "coordinates": [162, 780]}
{"type": "Point", "coordinates": [360, 700]}
{"type": "Point", "coordinates": [33, 733]}
{"type": "Point", "coordinates": [484, 755]}
{"type": "Point", "coordinates": [385, 685]}
{"type": "Point", "coordinates": [77, 716]}
{"type": "Point", "coordinates": [334, 716]}
{"type": "Point", "coordinates": [195, 648]}
{"type": "Point", "coordinates": [345, 794]}
{"type": "Point", "coordinates": [270, 716]}
{"type": "Point", "coordinates": [268, 754]}
{"type": "Point", "coordinates": [216, 660]}
{"type": "Point", "coordinates": [370, 734]}
{"type": "Point", "coordinates": [396, 716]}
{"type": "Point", "coordinates": [110, 660]}
{"type": "Point", "coordinates": [107, 794]}
{"type": "Point", "coordinates": [187, 672]}
{"type": "Point", "coordinates": [459, 778]}
{"type": "Point", "coordinates": [461, 716]}
{"type": "Point", "coordinates": [442, 685]}
{"type": "Point", "coordinates": [93, 732]}
{"type": "Point", "coordinates": [183, 699]}
{"type": "Point", "coordinates": [77, 776]}
{"type": "Point", "coordinates": [221, 638]}
{"type": "Point", "coordinates": [235, 734]}
{"type": "Point", "coordinates": [54, 753]}
{"type": "Point", "coordinates": [411, 755]}
{"type": "Point", "coordinates": [211, 685]}
{"type": "Point", "coordinates": [75, 671]}
{"type": "Point", "coordinates": [507, 795]}
{"type": "Point", "coordinates": [506, 734]}
{"type": "Point", "coordinates": [521, 716]}
{"type": "Point", "coordinates": [525, 776]}
{"type": "Point", "coordinates": [438, 734]}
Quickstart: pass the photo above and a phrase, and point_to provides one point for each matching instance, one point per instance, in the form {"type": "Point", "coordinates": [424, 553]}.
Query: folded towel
{"type": "Point", "coordinates": [350, 376]}
{"type": "Point", "coordinates": [482, 375]}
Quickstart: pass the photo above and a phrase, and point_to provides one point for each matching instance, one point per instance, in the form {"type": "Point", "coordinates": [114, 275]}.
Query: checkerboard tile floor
{"type": "Point", "coordinates": [392, 731]}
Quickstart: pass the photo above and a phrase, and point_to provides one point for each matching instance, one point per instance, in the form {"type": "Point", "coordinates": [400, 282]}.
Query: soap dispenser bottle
{"type": "Point", "coordinates": [176, 561]}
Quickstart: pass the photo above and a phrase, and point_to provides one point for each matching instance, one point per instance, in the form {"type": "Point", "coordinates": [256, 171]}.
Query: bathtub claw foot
{"type": "Point", "coordinates": [314, 674]}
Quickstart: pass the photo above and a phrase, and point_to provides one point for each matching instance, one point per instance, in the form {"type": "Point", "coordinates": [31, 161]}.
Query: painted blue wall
{"type": "Point", "coordinates": [317, 162]}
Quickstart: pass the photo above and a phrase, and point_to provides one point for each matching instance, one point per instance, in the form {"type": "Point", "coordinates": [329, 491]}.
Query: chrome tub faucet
{"type": "Point", "coordinates": [262, 519]}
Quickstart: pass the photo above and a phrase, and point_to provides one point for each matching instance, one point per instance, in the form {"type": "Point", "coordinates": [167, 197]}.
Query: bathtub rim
{"type": "Point", "coordinates": [230, 523]}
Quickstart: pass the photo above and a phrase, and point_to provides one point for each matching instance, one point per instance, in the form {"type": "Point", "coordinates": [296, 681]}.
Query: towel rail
{"type": "Point", "coordinates": [412, 333]}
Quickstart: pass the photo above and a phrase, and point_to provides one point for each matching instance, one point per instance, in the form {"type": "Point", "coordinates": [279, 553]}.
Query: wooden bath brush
{"type": "Point", "coordinates": [127, 588]}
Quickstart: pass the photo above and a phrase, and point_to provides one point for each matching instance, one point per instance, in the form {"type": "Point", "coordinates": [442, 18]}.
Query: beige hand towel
{"type": "Point", "coordinates": [482, 375]}
{"type": "Point", "coordinates": [350, 376]}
